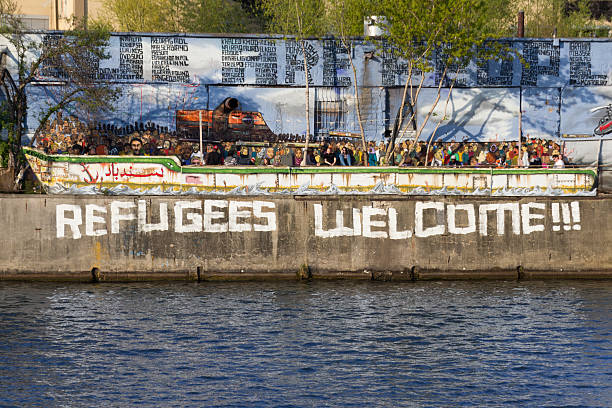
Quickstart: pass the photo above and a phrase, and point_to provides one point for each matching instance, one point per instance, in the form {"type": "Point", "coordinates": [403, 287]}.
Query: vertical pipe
{"type": "Point", "coordinates": [521, 24]}
{"type": "Point", "coordinates": [210, 120]}
{"type": "Point", "coordinates": [520, 129]}
{"type": "Point", "coordinates": [56, 15]}
{"type": "Point", "coordinates": [85, 12]}
{"type": "Point", "coordinates": [201, 150]}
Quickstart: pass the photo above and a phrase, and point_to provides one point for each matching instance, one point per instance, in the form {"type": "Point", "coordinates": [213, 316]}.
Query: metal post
{"type": "Point", "coordinates": [520, 129]}
{"type": "Point", "coordinates": [201, 147]}
{"type": "Point", "coordinates": [521, 24]}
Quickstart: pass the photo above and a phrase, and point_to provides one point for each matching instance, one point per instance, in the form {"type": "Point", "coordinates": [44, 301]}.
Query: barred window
{"type": "Point", "coordinates": [330, 116]}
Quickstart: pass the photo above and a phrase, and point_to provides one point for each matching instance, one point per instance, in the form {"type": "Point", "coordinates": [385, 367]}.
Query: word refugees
{"type": "Point", "coordinates": [188, 216]}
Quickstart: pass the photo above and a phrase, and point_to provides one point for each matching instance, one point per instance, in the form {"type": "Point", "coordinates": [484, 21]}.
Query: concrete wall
{"type": "Point", "coordinates": [362, 237]}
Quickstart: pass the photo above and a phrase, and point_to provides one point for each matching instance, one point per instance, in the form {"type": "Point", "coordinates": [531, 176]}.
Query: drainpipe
{"type": "Point", "coordinates": [85, 12]}
{"type": "Point", "coordinates": [56, 14]}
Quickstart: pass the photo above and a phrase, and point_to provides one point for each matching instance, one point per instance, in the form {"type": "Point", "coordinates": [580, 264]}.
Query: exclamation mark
{"type": "Point", "coordinates": [565, 212]}
{"type": "Point", "coordinates": [576, 215]}
{"type": "Point", "coordinates": [555, 216]}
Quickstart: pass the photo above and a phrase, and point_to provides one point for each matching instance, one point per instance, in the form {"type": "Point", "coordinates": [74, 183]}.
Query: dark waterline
{"type": "Point", "coordinates": [307, 344]}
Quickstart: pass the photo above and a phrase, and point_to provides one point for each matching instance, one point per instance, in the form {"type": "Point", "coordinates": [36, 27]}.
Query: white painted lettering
{"type": "Point", "coordinates": [500, 208]}
{"type": "Point", "coordinates": [194, 218]}
{"type": "Point", "coordinates": [419, 229]}
{"type": "Point", "coordinates": [368, 223]}
{"type": "Point", "coordinates": [318, 220]}
{"type": "Point", "coordinates": [210, 215]}
{"type": "Point", "coordinates": [393, 232]}
{"type": "Point", "coordinates": [527, 216]}
{"type": "Point", "coordinates": [117, 217]}
{"type": "Point", "coordinates": [576, 215]}
{"type": "Point", "coordinates": [91, 218]}
{"type": "Point", "coordinates": [143, 226]}
{"type": "Point", "coordinates": [340, 229]}
{"type": "Point", "coordinates": [270, 216]}
{"type": "Point", "coordinates": [356, 222]}
{"type": "Point", "coordinates": [61, 221]}
{"type": "Point", "coordinates": [235, 213]}
{"type": "Point", "coordinates": [451, 209]}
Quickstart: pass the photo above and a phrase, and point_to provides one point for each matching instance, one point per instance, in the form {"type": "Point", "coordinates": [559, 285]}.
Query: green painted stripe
{"type": "Point", "coordinates": [164, 161]}
{"type": "Point", "coordinates": [237, 170]}
{"type": "Point", "coordinates": [172, 165]}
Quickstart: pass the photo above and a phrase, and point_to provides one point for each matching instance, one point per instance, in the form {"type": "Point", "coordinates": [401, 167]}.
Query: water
{"type": "Point", "coordinates": [306, 344]}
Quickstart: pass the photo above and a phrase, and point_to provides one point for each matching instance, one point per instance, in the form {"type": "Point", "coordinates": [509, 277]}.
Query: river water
{"type": "Point", "coordinates": [306, 344]}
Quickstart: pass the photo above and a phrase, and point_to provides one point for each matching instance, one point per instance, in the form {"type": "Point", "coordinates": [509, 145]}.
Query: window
{"type": "Point", "coordinates": [330, 116]}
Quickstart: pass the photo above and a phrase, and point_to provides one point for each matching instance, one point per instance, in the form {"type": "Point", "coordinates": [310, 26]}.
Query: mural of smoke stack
{"type": "Point", "coordinates": [569, 213]}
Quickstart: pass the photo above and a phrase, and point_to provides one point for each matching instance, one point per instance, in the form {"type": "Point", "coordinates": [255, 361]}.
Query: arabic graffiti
{"type": "Point", "coordinates": [91, 180]}
{"type": "Point", "coordinates": [115, 173]}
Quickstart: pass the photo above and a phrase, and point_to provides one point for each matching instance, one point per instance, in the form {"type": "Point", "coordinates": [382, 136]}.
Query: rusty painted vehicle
{"type": "Point", "coordinates": [227, 122]}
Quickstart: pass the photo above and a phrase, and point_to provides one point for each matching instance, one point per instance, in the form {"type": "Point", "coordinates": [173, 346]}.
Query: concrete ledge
{"type": "Point", "coordinates": [380, 276]}
{"type": "Point", "coordinates": [529, 275]}
{"type": "Point", "coordinates": [466, 275]}
{"type": "Point", "coordinates": [353, 237]}
{"type": "Point", "coordinates": [64, 276]}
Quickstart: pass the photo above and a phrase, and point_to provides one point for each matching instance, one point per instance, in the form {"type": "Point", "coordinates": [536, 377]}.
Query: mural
{"type": "Point", "coordinates": [564, 91]}
{"type": "Point", "coordinates": [605, 124]}
{"type": "Point", "coordinates": [101, 174]}
{"type": "Point", "coordinates": [429, 218]}
{"type": "Point", "coordinates": [225, 123]}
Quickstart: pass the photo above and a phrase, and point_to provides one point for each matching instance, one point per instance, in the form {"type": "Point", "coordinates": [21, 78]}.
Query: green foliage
{"type": "Point", "coordinates": [217, 16]}
{"type": "Point", "coordinates": [346, 16]}
{"type": "Point", "coordinates": [72, 57]}
{"type": "Point", "coordinates": [440, 35]}
{"type": "Point", "coordinates": [299, 18]}
{"type": "Point", "coordinates": [138, 15]}
{"type": "Point", "coordinates": [567, 18]}
{"type": "Point", "coordinates": [418, 28]}
{"type": "Point", "coordinates": [201, 16]}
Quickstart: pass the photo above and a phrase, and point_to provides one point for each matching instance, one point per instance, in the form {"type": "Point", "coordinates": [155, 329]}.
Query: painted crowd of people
{"type": "Point", "coordinates": [71, 136]}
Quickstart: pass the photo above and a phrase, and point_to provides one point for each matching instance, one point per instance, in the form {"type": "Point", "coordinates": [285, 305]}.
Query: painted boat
{"type": "Point", "coordinates": [165, 175]}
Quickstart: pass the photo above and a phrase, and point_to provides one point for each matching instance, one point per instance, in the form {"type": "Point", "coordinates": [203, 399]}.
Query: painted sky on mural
{"type": "Point", "coordinates": [160, 74]}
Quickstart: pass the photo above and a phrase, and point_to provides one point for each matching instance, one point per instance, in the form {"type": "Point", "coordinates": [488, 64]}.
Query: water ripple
{"type": "Point", "coordinates": [314, 344]}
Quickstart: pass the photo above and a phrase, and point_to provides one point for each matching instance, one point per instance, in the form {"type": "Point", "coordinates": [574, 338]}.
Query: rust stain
{"type": "Point", "coordinates": [98, 251]}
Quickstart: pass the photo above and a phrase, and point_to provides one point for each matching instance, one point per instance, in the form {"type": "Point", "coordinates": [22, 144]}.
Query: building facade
{"type": "Point", "coordinates": [56, 14]}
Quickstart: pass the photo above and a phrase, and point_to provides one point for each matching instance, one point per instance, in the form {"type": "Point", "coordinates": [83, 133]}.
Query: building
{"type": "Point", "coordinates": [57, 14]}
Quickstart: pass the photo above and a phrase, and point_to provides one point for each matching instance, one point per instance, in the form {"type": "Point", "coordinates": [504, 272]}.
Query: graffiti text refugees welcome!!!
{"type": "Point", "coordinates": [431, 218]}
{"type": "Point", "coordinates": [189, 216]}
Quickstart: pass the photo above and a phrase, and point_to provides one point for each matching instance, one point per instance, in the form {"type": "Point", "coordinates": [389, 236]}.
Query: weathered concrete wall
{"type": "Point", "coordinates": [246, 237]}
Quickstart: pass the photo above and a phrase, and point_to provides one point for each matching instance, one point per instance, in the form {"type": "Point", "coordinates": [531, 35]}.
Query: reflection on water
{"type": "Point", "coordinates": [307, 344]}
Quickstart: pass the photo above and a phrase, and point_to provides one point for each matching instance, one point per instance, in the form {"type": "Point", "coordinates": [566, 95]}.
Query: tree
{"type": "Point", "coordinates": [301, 19]}
{"type": "Point", "coordinates": [217, 16]}
{"type": "Point", "coordinates": [195, 16]}
{"type": "Point", "coordinates": [139, 15]}
{"type": "Point", "coordinates": [69, 61]}
{"type": "Point", "coordinates": [412, 32]}
{"type": "Point", "coordinates": [440, 36]}
{"type": "Point", "coordinates": [346, 21]}
{"type": "Point", "coordinates": [560, 18]}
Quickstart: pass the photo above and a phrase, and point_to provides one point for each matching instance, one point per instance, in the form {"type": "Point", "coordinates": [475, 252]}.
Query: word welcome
{"type": "Point", "coordinates": [189, 216]}
{"type": "Point", "coordinates": [375, 222]}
